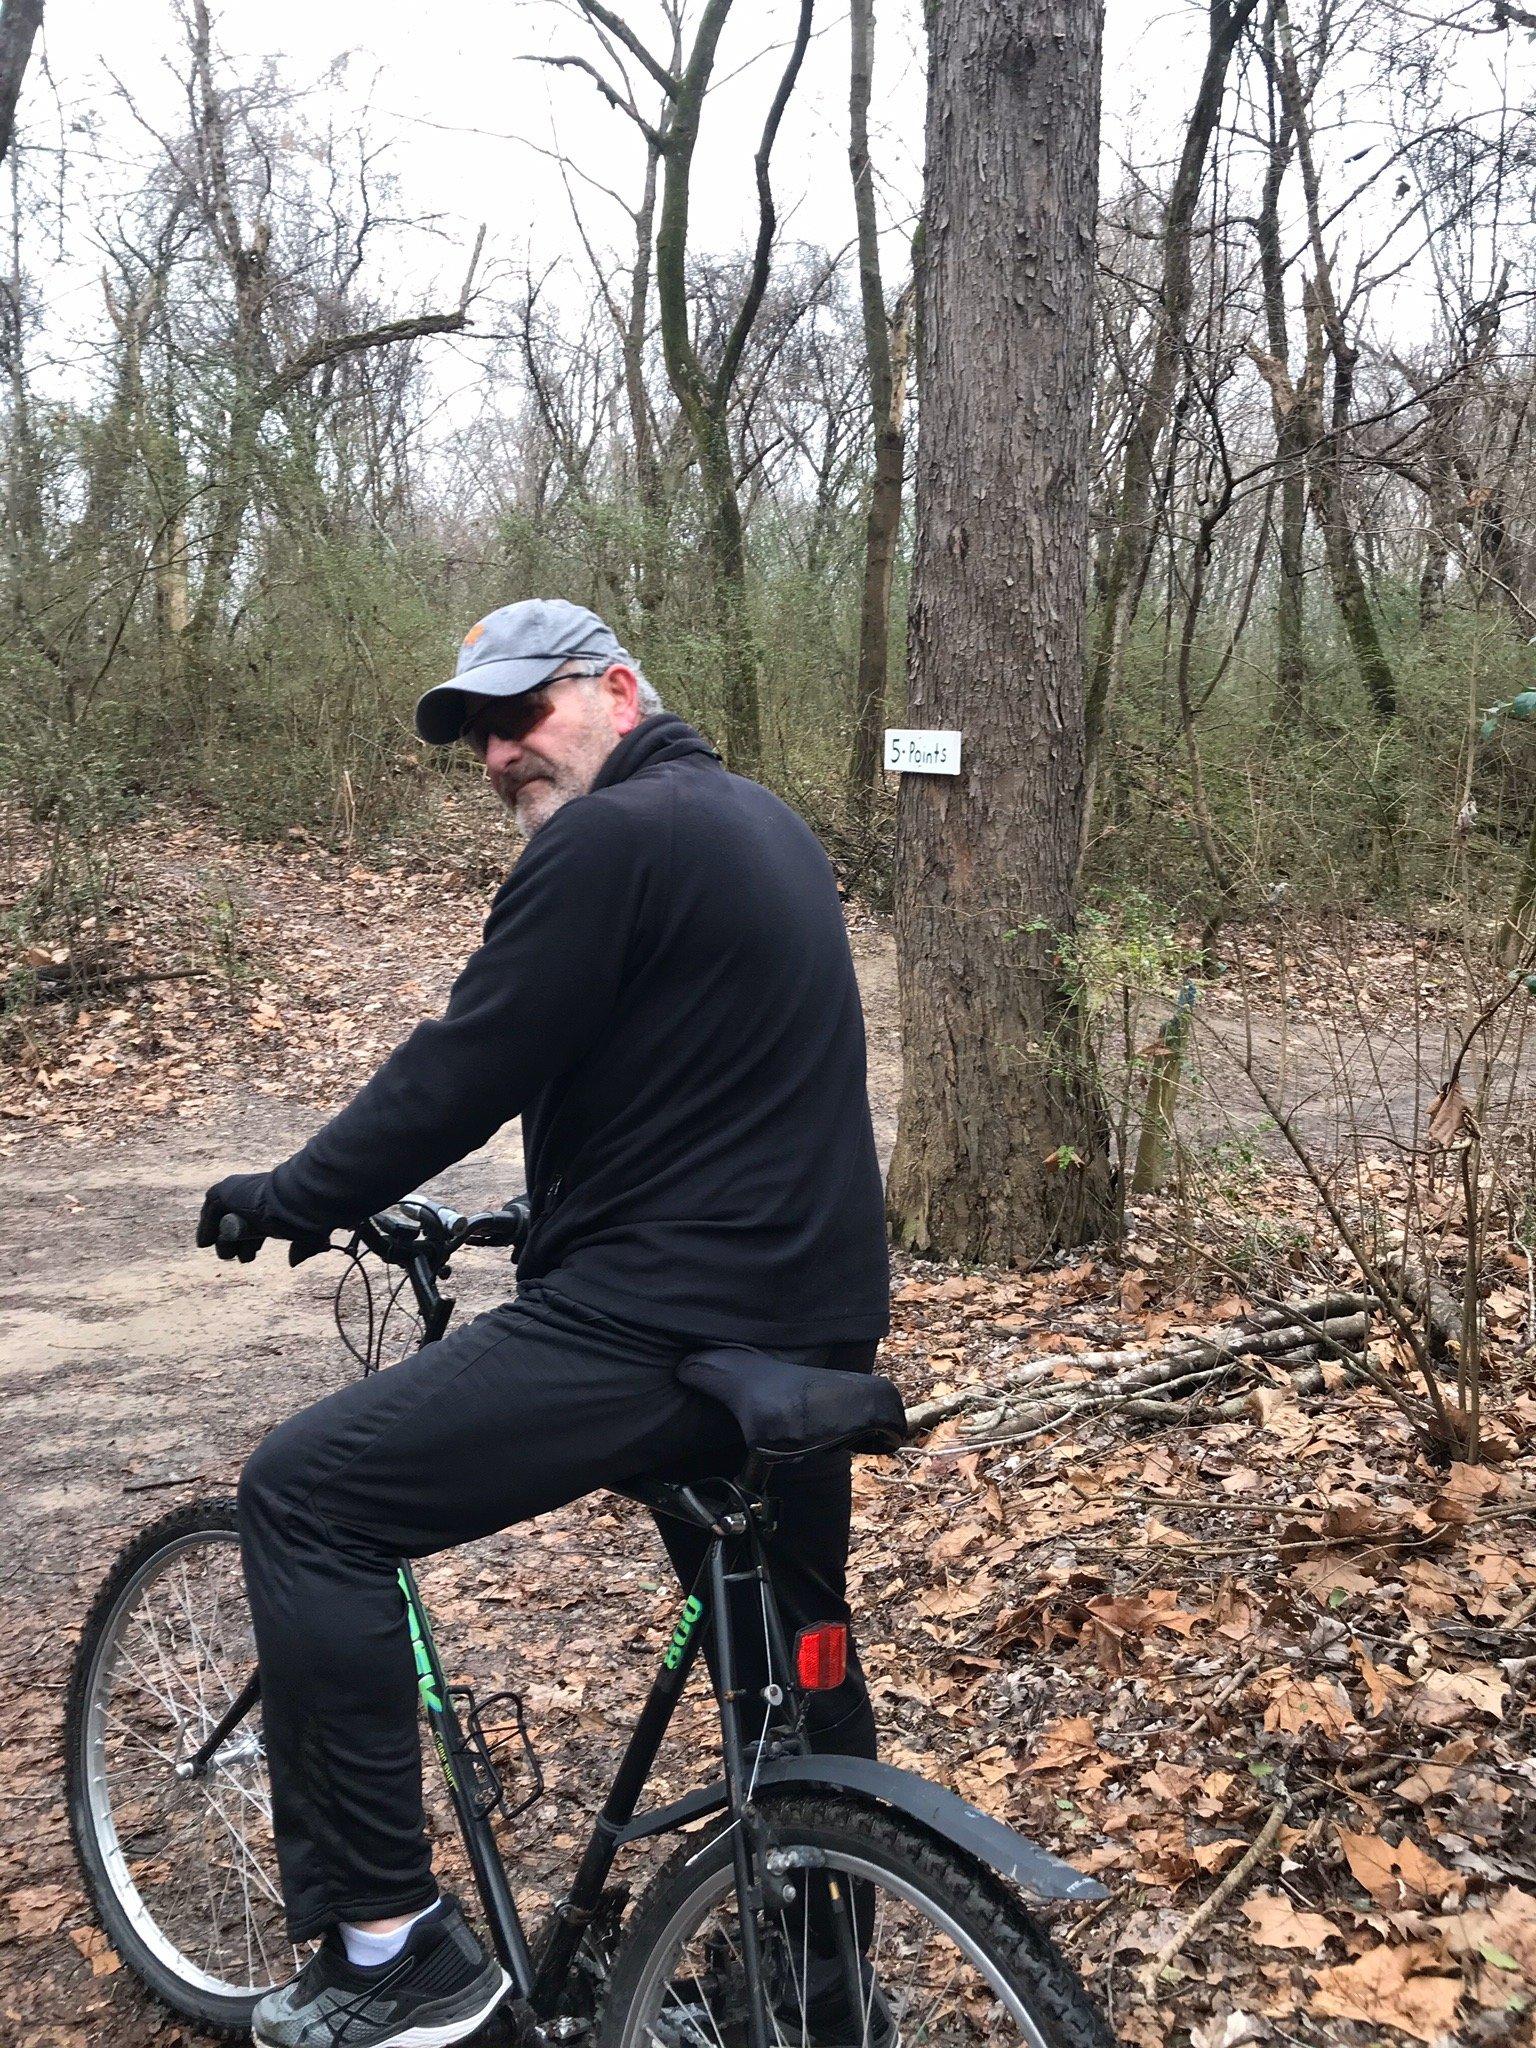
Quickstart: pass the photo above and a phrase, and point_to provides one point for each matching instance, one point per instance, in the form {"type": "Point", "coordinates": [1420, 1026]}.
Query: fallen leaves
{"type": "Point", "coordinates": [39, 1909]}
{"type": "Point", "coordinates": [1391, 1872]}
{"type": "Point", "coordinates": [1296, 1703]}
{"type": "Point", "coordinates": [96, 1949]}
{"type": "Point", "coordinates": [1276, 1922]}
{"type": "Point", "coordinates": [1064, 1745]}
{"type": "Point", "coordinates": [1502, 1933]}
{"type": "Point", "coordinates": [1444, 1698]}
{"type": "Point", "coordinates": [1397, 1986]}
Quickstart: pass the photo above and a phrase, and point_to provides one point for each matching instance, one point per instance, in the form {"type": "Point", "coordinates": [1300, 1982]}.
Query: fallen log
{"type": "Point", "coordinates": [924, 1414]}
{"type": "Point", "coordinates": [1181, 1368]}
{"type": "Point", "coordinates": [1161, 1386]}
{"type": "Point", "coordinates": [1437, 1307]}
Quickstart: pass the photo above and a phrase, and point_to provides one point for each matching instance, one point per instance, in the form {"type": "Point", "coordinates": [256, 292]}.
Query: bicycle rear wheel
{"type": "Point", "coordinates": [888, 1937]}
{"type": "Point", "coordinates": [182, 1872]}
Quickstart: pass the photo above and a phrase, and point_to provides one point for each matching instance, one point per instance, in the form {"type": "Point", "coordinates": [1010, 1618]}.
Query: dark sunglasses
{"type": "Point", "coordinates": [513, 718]}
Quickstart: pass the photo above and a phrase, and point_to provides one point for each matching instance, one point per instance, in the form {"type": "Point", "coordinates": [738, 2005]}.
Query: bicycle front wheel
{"type": "Point", "coordinates": [182, 1871]}
{"type": "Point", "coordinates": [883, 1936]}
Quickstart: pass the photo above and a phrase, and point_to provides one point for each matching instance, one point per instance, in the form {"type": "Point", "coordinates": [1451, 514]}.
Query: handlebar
{"type": "Point", "coordinates": [234, 1230]}
{"type": "Point", "coordinates": [414, 1228]}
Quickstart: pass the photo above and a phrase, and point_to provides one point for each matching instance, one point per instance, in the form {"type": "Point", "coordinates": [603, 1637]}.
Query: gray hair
{"type": "Point", "coordinates": [646, 692]}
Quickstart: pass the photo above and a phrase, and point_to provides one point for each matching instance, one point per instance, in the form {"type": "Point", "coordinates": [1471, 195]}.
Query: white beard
{"type": "Point", "coordinates": [537, 802]}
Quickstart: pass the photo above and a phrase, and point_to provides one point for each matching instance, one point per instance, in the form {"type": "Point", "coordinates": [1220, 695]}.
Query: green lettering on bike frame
{"type": "Point", "coordinates": [426, 1684]}
{"type": "Point", "coordinates": [687, 1622]}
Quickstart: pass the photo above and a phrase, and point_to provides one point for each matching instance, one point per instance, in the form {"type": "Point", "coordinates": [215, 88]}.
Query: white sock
{"type": "Point", "coordinates": [370, 1950]}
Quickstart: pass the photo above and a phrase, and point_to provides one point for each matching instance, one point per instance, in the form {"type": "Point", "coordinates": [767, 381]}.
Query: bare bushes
{"type": "Point", "coordinates": [1355, 1110]}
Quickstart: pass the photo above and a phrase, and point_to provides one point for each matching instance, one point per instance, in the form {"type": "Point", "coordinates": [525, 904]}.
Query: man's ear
{"type": "Point", "coordinates": [621, 694]}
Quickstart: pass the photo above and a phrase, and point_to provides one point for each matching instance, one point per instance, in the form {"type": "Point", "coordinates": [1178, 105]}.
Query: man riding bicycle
{"type": "Point", "coordinates": [664, 993]}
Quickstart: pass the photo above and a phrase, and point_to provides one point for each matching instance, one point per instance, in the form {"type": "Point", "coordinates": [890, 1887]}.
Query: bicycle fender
{"type": "Point", "coordinates": [1034, 1870]}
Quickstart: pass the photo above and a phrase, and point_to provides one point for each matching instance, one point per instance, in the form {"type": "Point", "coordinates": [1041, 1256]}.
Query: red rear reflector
{"type": "Point", "coordinates": [821, 1656]}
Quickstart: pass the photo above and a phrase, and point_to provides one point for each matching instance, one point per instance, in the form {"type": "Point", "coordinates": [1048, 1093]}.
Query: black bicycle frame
{"type": "Point", "coordinates": [737, 1524]}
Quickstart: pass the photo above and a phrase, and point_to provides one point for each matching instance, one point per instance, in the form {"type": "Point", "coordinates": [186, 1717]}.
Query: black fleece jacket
{"type": "Point", "coordinates": [666, 997]}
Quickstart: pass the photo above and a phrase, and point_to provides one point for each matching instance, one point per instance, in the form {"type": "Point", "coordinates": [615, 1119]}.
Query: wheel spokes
{"type": "Point", "coordinates": [191, 1861]}
{"type": "Point", "coordinates": [852, 1960]}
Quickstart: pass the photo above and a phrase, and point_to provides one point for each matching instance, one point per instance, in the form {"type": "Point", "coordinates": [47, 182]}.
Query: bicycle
{"type": "Point", "coordinates": [814, 1901]}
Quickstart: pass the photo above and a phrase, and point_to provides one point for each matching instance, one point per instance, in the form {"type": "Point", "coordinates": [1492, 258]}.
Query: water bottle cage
{"type": "Point", "coordinates": [486, 1759]}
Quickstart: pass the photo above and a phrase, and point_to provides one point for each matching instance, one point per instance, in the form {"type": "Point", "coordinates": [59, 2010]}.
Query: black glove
{"type": "Point", "coordinates": [248, 1198]}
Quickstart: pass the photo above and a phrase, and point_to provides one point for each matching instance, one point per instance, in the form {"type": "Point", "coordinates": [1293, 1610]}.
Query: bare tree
{"type": "Point", "coordinates": [20, 21]}
{"type": "Point", "coordinates": [1290, 431]}
{"type": "Point", "coordinates": [1326, 432]}
{"type": "Point", "coordinates": [1131, 541]}
{"type": "Point", "coordinates": [885, 346]}
{"type": "Point", "coordinates": [704, 389]}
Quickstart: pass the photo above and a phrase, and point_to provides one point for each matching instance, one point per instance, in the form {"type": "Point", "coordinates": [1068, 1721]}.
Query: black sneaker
{"type": "Point", "coordinates": [438, 1990]}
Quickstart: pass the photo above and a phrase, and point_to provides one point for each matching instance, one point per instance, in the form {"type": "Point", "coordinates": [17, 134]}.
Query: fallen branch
{"type": "Point", "coordinates": [94, 971]}
{"type": "Point", "coordinates": [1437, 1305]}
{"type": "Point", "coordinates": [1185, 1374]}
{"type": "Point", "coordinates": [1206, 1716]}
{"type": "Point", "coordinates": [1234, 1881]}
{"type": "Point", "coordinates": [924, 1414]}
{"type": "Point", "coordinates": [1283, 1334]}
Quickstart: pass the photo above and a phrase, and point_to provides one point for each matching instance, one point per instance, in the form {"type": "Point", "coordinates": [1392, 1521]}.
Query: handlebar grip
{"type": "Point", "coordinates": [238, 1238]}
{"type": "Point", "coordinates": [520, 1209]}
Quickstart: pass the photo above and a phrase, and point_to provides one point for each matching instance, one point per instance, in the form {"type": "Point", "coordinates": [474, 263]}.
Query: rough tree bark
{"type": "Point", "coordinates": [20, 21]}
{"type": "Point", "coordinates": [1002, 1145]}
{"type": "Point", "coordinates": [885, 349]}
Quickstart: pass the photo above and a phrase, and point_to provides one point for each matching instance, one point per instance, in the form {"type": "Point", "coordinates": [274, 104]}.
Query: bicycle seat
{"type": "Point", "coordinates": [784, 1410]}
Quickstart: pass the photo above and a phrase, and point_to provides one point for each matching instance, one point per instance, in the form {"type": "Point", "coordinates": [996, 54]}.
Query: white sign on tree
{"type": "Point", "coordinates": [922, 753]}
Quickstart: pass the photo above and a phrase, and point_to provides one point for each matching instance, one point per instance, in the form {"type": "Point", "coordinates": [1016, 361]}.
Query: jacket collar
{"type": "Point", "coordinates": [661, 737]}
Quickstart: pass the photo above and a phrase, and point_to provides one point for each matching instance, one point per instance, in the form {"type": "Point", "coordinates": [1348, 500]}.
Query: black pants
{"type": "Point", "coordinates": [521, 1410]}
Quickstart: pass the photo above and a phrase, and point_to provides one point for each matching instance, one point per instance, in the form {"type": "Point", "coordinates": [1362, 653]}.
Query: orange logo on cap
{"type": "Point", "coordinates": [476, 632]}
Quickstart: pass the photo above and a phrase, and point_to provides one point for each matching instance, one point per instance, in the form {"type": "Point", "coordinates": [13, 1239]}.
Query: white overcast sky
{"type": "Point", "coordinates": [460, 107]}
{"type": "Point", "coordinates": [465, 119]}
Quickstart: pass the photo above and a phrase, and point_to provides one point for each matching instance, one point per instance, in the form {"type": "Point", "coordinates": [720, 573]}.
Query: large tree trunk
{"type": "Point", "coordinates": [1002, 1148]}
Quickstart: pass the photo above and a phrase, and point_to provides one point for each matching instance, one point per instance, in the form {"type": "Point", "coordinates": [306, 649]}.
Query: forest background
{"type": "Point", "coordinates": [230, 518]}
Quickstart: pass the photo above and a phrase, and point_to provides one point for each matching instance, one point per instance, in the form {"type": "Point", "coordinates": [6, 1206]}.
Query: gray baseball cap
{"type": "Point", "coordinates": [509, 652]}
